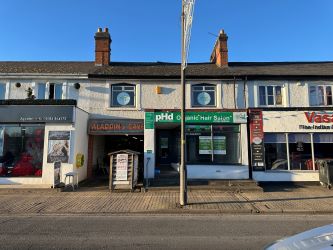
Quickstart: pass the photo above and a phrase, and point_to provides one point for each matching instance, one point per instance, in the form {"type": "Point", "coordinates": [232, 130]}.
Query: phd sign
{"type": "Point", "coordinates": [201, 117]}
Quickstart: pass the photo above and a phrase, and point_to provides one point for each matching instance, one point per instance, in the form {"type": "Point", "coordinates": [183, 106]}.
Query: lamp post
{"type": "Point", "coordinates": [182, 167]}
{"type": "Point", "coordinates": [187, 14]}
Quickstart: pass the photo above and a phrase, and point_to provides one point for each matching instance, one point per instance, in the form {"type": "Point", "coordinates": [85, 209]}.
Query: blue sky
{"type": "Point", "coordinates": [149, 30]}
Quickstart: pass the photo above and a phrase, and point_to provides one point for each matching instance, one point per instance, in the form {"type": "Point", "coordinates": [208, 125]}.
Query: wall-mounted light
{"type": "Point", "coordinates": [77, 85]}
{"type": "Point", "coordinates": [18, 84]}
{"type": "Point", "coordinates": [158, 90]}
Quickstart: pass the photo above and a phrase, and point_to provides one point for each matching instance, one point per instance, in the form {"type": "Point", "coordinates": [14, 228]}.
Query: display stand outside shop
{"type": "Point", "coordinates": [123, 170]}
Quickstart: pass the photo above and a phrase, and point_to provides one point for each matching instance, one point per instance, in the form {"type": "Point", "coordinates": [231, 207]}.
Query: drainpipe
{"type": "Point", "coordinates": [235, 102]}
{"type": "Point", "coordinates": [244, 91]}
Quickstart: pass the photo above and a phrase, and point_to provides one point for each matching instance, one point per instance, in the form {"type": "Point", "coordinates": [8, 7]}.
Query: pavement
{"type": "Point", "coordinates": [302, 199]}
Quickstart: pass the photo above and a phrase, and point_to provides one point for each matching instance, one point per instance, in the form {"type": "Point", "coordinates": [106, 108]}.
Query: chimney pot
{"type": "Point", "coordinates": [99, 30]}
{"type": "Point", "coordinates": [106, 30]}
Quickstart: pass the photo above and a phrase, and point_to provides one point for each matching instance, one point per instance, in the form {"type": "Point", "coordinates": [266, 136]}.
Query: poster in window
{"type": "Point", "coordinates": [164, 142]}
{"type": "Point", "coordinates": [57, 166]}
{"type": "Point", "coordinates": [219, 145]}
{"type": "Point", "coordinates": [58, 146]}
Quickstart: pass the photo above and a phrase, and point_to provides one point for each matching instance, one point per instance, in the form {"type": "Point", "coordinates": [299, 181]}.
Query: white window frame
{"type": "Point", "coordinates": [203, 85]}
{"type": "Point", "coordinates": [47, 89]}
{"type": "Point", "coordinates": [6, 84]}
{"type": "Point", "coordinates": [317, 86]}
{"type": "Point", "coordinates": [274, 95]}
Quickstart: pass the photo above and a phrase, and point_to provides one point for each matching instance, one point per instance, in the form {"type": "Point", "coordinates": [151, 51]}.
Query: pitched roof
{"type": "Point", "coordinates": [171, 70]}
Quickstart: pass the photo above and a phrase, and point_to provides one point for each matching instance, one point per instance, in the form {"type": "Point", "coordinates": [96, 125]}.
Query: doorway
{"type": "Point", "coordinates": [103, 145]}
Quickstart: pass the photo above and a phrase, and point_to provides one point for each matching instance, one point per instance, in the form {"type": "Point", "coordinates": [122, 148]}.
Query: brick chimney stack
{"type": "Point", "coordinates": [219, 55]}
{"type": "Point", "coordinates": [102, 47]}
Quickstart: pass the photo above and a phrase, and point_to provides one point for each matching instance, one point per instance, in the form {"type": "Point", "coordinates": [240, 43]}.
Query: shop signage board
{"type": "Point", "coordinates": [115, 126]}
{"type": "Point", "coordinates": [219, 145]}
{"type": "Point", "coordinates": [257, 139]}
{"type": "Point", "coordinates": [195, 117]}
{"type": "Point", "coordinates": [36, 113]}
{"type": "Point", "coordinates": [149, 120]}
{"type": "Point", "coordinates": [298, 121]}
{"type": "Point", "coordinates": [121, 167]}
{"type": "Point", "coordinates": [58, 146]}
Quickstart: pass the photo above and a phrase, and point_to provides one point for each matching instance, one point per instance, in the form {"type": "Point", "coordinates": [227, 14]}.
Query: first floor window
{"type": "Point", "coordinates": [203, 95]}
{"type": "Point", "coordinates": [41, 90]}
{"type": "Point", "coordinates": [54, 91]}
{"type": "Point", "coordinates": [270, 95]}
{"type": "Point", "coordinates": [213, 144]}
{"type": "Point", "coordinates": [21, 150]}
{"type": "Point", "coordinates": [320, 95]}
{"type": "Point", "coordinates": [122, 95]}
{"type": "Point", "coordinates": [2, 91]}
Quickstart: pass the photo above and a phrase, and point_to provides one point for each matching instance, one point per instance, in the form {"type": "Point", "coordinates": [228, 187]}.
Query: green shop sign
{"type": "Point", "coordinates": [194, 117]}
{"type": "Point", "coordinates": [201, 117]}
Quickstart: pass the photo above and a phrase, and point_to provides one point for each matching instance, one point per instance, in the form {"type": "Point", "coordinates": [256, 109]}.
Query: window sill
{"type": "Point", "coordinates": [291, 171]}
{"type": "Point", "coordinates": [124, 109]}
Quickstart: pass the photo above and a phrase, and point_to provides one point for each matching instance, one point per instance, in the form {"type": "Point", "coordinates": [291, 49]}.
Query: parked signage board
{"type": "Point", "coordinates": [121, 167]}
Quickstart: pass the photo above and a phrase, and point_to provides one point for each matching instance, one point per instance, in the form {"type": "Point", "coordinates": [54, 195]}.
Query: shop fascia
{"type": "Point", "coordinates": [195, 117]}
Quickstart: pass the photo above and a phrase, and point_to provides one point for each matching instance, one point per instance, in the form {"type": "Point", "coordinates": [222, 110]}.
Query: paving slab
{"type": "Point", "coordinates": [96, 201]}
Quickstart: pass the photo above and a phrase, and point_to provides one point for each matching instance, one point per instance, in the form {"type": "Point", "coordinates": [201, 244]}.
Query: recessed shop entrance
{"type": "Point", "coordinates": [110, 135]}
{"type": "Point", "coordinates": [167, 154]}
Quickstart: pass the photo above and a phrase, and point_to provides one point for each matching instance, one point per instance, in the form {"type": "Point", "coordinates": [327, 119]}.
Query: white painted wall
{"type": "Point", "coordinates": [81, 142]}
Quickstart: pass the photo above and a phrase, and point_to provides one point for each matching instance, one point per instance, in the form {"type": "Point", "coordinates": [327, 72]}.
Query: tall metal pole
{"type": "Point", "coordinates": [182, 167]}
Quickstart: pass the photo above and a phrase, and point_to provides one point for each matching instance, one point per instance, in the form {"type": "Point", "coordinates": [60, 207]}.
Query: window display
{"type": "Point", "coordinates": [21, 150]}
{"type": "Point", "coordinates": [213, 144]}
{"type": "Point", "coordinates": [276, 152]}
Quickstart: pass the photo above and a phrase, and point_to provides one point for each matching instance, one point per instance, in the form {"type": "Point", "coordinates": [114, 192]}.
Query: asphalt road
{"type": "Point", "coordinates": [151, 231]}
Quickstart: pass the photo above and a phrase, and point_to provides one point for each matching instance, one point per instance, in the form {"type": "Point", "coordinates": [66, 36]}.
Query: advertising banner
{"type": "Point", "coordinates": [121, 167]}
{"type": "Point", "coordinates": [58, 146]}
{"type": "Point", "coordinates": [257, 139]}
{"type": "Point", "coordinates": [219, 145]}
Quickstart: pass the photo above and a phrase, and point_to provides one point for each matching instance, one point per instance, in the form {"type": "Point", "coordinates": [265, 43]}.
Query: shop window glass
{"type": "Point", "coordinates": [275, 152]}
{"type": "Point", "coordinates": [21, 152]}
{"type": "Point", "coordinates": [203, 95]}
{"type": "Point", "coordinates": [2, 91]}
{"type": "Point", "coordinates": [300, 152]}
{"type": "Point", "coordinates": [323, 145]}
{"type": "Point", "coordinates": [217, 144]}
{"type": "Point", "coordinates": [122, 95]}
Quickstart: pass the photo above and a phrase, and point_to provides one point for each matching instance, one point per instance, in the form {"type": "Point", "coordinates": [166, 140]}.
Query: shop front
{"type": "Point", "coordinates": [33, 137]}
{"type": "Point", "coordinates": [292, 141]}
{"type": "Point", "coordinates": [110, 135]}
{"type": "Point", "coordinates": [216, 143]}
